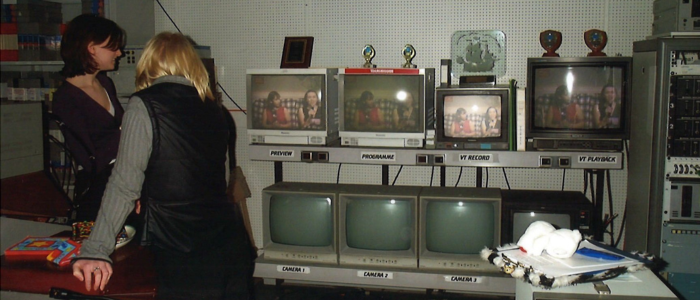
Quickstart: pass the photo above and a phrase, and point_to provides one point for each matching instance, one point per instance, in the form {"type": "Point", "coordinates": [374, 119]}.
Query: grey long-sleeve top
{"type": "Point", "coordinates": [125, 183]}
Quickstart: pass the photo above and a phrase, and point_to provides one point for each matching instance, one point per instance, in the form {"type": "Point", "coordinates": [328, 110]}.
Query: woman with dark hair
{"type": "Point", "coordinates": [311, 114]}
{"type": "Point", "coordinates": [563, 113]}
{"type": "Point", "coordinates": [275, 115]}
{"type": "Point", "coordinates": [607, 113]}
{"type": "Point", "coordinates": [492, 123]}
{"type": "Point", "coordinates": [368, 115]}
{"type": "Point", "coordinates": [88, 105]}
{"type": "Point", "coordinates": [461, 126]}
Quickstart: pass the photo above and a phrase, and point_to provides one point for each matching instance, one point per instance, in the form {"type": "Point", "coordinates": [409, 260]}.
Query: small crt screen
{"type": "Point", "coordinates": [472, 116]}
{"type": "Point", "coordinates": [383, 103]}
{"type": "Point", "coordinates": [459, 227]}
{"type": "Point", "coordinates": [289, 102]}
{"type": "Point", "coordinates": [301, 220]}
{"type": "Point", "coordinates": [379, 224]}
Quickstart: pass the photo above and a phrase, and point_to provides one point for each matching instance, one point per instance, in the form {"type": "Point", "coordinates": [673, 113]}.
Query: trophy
{"type": "Point", "coordinates": [550, 41]}
{"type": "Point", "coordinates": [596, 40]}
{"type": "Point", "coordinates": [408, 54]}
{"type": "Point", "coordinates": [368, 54]}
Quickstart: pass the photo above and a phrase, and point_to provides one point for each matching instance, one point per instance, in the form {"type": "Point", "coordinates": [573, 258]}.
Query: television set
{"type": "Point", "coordinates": [578, 104]}
{"type": "Point", "coordinates": [562, 209]}
{"type": "Point", "coordinates": [299, 222]}
{"type": "Point", "coordinates": [378, 226]}
{"type": "Point", "coordinates": [455, 225]}
{"type": "Point", "coordinates": [477, 118]}
{"type": "Point", "coordinates": [292, 106]}
{"type": "Point", "coordinates": [385, 107]}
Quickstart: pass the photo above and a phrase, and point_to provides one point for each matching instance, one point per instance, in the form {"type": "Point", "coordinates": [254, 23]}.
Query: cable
{"type": "Point", "coordinates": [487, 177]}
{"type": "Point", "coordinates": [610, 208]}
{"type": "Point", "coordinates": [563, 179]}
{"type": "Point", "coordinates": [397, 175]}
{"type": "Point", "coordinates": [217, 83]}
{"type": "Point", "coordinates": [622, 226]}
{"type": "Point", "coordinates": [460, 176]}
{"type": "Point", "coordinates": [229, 97]}
{"type": "Point", "coordinates": [432, 173]}
{"type": "Point", "coordinates": [168, 15]}
{"type": "Point", "coordinates": [337, 179]}
{"type": "Point", "coordinates": [506, 177]}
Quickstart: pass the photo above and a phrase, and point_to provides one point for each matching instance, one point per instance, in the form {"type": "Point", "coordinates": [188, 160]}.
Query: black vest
{"type": "Point", "coordinates": [184, 191]}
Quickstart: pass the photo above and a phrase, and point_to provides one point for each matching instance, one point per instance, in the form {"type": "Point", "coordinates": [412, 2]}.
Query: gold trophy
{"type": "Point", "coordinates": [596, 40]}
{"type": "Point", "coordinates": [368, 54]}
{"type": "Point", "coordinates": [550, 41]}
{"type": "Point", "coordinates": [408, 54]}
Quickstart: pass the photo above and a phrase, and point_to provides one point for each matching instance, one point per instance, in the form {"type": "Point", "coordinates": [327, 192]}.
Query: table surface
{"type": "Point", "coordinates": [133, 278]}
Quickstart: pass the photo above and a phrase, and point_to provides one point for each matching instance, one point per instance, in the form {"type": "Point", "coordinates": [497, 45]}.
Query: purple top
{"type": "Point", "coordinates": [90, 122]}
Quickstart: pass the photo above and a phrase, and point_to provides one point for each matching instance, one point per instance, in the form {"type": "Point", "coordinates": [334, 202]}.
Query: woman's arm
{"type": "Point", "coordinates": [123, 188]}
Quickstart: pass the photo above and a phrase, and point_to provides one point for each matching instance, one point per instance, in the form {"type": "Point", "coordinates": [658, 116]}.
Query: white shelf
{"type": "Point", "coordinates": [464, 158]}
{"type": "Point", "coordinates": [31, 66]}
{"type": "Point", "coordinates": [495, 284]}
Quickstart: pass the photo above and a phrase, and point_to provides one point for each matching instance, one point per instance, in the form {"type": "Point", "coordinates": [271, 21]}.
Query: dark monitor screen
{"type": "Point", "coordinates": [301, 220]}
{"type": "Point", "coordinates": [522, 220]}
{"type": "Point", "coordinates": [379, 224]}
{"type": "Point", "coordinates": [460, 227]}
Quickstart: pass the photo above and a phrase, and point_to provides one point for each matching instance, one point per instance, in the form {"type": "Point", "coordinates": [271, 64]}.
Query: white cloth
{"type": "Point", "coordinates": [541, 236]}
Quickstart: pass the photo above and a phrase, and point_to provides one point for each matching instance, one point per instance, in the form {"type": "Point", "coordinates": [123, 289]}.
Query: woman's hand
{"type": "Point", "coordinates": [88, 270]}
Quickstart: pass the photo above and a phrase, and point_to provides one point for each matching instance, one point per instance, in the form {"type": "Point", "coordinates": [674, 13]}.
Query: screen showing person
{"type": "Point", "coordinates": [407, 113]}
{"type": "Point", "coordinates": [562, 111]}
{"type": "Point", "coordinates": [580, 98]}
{"type": "Point", "coordinates": [290, 102]}
{"type": "Point", "coordinates": [382, 103]}
{"type": "Point", "coordinates": [311, 113]}
{"type": "Point", "coordinates": [607, 112]}
{"type": "Point", "coordinates": [492, 122]}
{"type": "Point", "coordinates": [275, 115]}
{"type": "Point", "coordinates": [472, 116]}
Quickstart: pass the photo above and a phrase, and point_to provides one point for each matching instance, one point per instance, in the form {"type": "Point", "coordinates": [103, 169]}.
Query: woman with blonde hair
{"type": "Point", "coordinates": [172, 156]}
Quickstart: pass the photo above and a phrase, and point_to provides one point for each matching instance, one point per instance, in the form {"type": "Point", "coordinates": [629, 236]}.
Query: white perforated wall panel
{"type": "Point", "coordinates": [250, 34]}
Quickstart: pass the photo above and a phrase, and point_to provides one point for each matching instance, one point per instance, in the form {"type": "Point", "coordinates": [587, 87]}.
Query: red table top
{"type": "Point", "coordinates": [133, 278]}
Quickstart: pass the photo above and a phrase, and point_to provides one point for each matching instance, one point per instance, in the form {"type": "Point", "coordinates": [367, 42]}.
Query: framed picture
{"type": "Point", "coordinates": [297, 52]}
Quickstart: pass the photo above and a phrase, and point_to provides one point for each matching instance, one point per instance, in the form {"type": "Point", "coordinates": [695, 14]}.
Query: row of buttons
{"type": "Point", "coordinates": [686, 169]}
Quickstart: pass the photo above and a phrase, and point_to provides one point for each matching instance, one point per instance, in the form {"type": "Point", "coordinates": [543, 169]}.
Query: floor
{"type": "Point", "coordinates": [297, 292]}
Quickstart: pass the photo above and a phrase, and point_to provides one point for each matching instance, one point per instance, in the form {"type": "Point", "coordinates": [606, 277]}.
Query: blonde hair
{"type": "Point", "coordinates": [172, 54]}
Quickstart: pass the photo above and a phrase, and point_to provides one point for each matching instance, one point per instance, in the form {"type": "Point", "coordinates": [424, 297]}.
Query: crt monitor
{"type": "Point", "coordinates": [378, 226]}
{"type": "Point", "coordinates": [562, 209]}
{"type": "Point", "coordinates": [473, 118]}
{"type": "Point", "coordinates": [455, 225]}
{"type": "Point", "coordinates": [385, 107]}
{"type": "Point", "coordinates": [578, 104]}
{"type": "Point", "coordinates": [299, 222]}
{"type": "Point", "coordinates": [292, 106]}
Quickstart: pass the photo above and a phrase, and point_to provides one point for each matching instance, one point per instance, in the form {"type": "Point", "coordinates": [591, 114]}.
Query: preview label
{"type": "Point", "coordinates": [281, 153]}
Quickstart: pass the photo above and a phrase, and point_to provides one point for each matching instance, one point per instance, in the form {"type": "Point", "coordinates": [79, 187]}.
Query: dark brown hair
{"type": "Point", "coordinates": [80, 32]}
